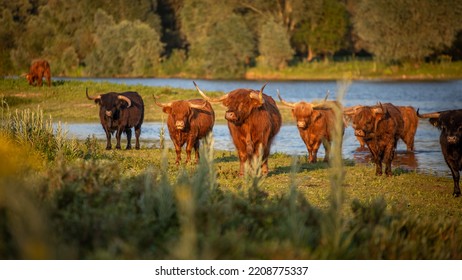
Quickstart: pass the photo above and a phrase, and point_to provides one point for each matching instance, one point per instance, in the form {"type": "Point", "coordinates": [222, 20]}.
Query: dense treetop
{"type": "Point", "coordinates": [220, 39]}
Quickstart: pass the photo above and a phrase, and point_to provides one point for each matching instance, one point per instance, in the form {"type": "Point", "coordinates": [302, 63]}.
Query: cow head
{"type": "Point", "coordinates": [350, 112]}
{"type": "Point", "coordinates": [366, 119]}
{"type": "Point", "coordinates": [449, 122]}
{"type": "Point", "coordinates": [240, 103]}
{"type": "Point", "coordinates": [110, 104]}
{"type": "Point", "coordinates": [181, 111]}
{"type": "Point", "coordinates": [306, 113]}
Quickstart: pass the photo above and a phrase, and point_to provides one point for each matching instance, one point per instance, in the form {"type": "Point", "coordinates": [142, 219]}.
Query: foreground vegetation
{"type": "Point", "coordinates": [64, 199]}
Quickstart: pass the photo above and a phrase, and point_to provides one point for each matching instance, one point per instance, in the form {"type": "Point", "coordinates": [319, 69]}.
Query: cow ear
{"type": "Point", "coordinates": [316, 115]}
{"type": "Point", "coordinates": [167, 109]}
{"type": "Point", "coordinates": [434, 122]}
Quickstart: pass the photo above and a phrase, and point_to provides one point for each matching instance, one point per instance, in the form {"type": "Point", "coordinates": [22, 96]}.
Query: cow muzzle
{"type": "Point", "coordinates": [359, 133]}
{"type": "Point", "coordinates": [179, 125]}
{"type": "Point", "coordinates": [301, 124]}
{"type": "Point", "coordinates": [452, 139]}
{"type": "Point", "coordinates": [230, 116]}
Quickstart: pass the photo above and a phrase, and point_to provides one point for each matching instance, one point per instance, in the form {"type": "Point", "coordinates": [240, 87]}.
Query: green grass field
{"type": "Point", "coordinates": [65, 199]}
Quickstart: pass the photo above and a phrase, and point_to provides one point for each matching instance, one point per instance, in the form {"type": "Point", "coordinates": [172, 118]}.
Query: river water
{"type": "Point", "coordinates": [426, 95]}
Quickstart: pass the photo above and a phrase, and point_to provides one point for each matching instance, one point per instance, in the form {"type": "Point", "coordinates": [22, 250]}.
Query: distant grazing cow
{"type": "Point", "coordinates": [315, 123]}
{"type": "Point", "coordinates": [118, 113]}
{"type": "Point", "coordinates": [450, 124]}
{"type": "Point", "coordinates": [410, 122]}
{"type": "Point", "coordinates": [188, 122]}
{"type": "Point", "coordinates": [380, 126]}
{"type": "Point", "coordinates": [38, 70]}
{"type": "Point", "coordinates": [253, 121]}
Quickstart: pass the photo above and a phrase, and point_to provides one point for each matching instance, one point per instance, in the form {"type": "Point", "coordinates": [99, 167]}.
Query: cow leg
{"type": "Point", "coordinates": [39, 80]}
{"type": "Point", "coordinates": [313, 156]}
{"type": "Point", "coordinates": [118, 134]}
{"type": "Point", "coordinates": [326, 145]}
{"type": "Point", "coordinates": [378, 168]}
{"type": "Point", "coordinates": [137, 137]}
{"type": "Point", "coordinates": [249, 145]}
{"type": "Point", "coordinates": [410, 145]}
{"type": "Point", "coordinates": [455, 178]}
{"type": "Point", "coordinates": [264, 166]}
{"type": "Point", "coordinates": [242, 160]}
{"type": "Point", "coordinates": [313, 151]}
{"type": "Point", "coordinates": [196, 149]}
{"type": "Point", "coordinates": [388, 158]}
{"type": "Point", "coordinates": [108, 140]}
{"type": "Point", "coordinates": [189, 147]}
{"type": "Point", "coordinates": [378, 163]}
{"type": "Point", "coordinates": [128, 131]}
{"type": "Point", "coordinates": [362, 143]}
{"type": "Point", "coordinates": [178, 152]}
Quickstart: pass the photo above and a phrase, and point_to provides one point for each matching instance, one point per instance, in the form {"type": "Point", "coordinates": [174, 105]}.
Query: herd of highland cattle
{"type": "Point", "coordinates": [254, 120]}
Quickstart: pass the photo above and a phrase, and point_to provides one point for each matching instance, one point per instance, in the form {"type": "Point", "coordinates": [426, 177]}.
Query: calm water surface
{"type": "Point", "coordinates": [428, 96]}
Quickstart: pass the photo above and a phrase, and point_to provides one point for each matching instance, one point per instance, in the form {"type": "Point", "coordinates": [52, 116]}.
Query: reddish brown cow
{"type": "Point", "coordinates": [39, 69]}
{"type": "Point", "coordinates": [315, 123]}
{"type": "Point", "coordinates": [188, 122]}
{"type": "Point", "coordinates": [410, 122]}
{"type": "Point", "coordinates": [380, 126]}
{"type": "Point", "coordinates": [253, 121]}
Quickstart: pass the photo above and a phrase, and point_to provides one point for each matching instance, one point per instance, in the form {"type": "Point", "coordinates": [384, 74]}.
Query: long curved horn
{"type": "Point", "coordinates": [428, 115]}
{"type": "Point", "coordinates": [377, 110]}
{"type": "Point", "coordinates": [259, 96]}
{"type": "Point", "coordinates": [197, 106]}
{"type": "Point", "coordinates": [289, 104]}
{"type": "Point", "coordinates": [215, 100]}
{"type": "Point", "coordinates": [126, 99]}
{"type": "Point", "coordinates": [327, 95]}
{"type": "Point", "coordinates": [162, 105]}
{"type": "Point", "coordinates": [91, 97]}
{"type": "Point", "coordinates": [349, 111]}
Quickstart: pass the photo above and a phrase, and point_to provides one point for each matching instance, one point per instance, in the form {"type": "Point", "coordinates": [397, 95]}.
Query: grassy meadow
{"type": "Point", "coordinates": [67, 199]}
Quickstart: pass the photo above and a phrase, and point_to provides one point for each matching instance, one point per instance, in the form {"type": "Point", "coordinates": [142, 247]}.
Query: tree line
{"type": "Point", "coordinates": [221, 39]}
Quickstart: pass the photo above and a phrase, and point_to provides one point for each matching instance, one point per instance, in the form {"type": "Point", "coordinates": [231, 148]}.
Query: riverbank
{"type": "Point", "coordinates": [360, 70]}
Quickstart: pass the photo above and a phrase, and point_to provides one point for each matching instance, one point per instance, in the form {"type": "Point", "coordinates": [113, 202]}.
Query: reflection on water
{"type": "Point", "coordinates": [428, 96]}
{"type": "Point", "coordinates": [403, 159]}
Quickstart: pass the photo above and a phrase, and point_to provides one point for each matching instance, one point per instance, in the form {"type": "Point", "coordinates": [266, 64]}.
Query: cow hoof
{"type": "Point", "coordinates": [128, 148]}
{"type": "Point", "coordinates": [456, 194]}
{"type": "Point", "coordinates": [108, 148]}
